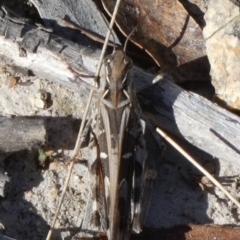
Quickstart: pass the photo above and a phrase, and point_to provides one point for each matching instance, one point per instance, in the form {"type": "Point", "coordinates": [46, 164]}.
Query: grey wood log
{"type": "Point", "coordinates": [182, 113]}
{"type": "Point", "coordinates": [83, 13]}
{"type": "Point", "coordinates": [21, 133]}
{"type": "Point", "coordinates": [18, 134]}
{"type": "Point", "coordinates": [195, 119]}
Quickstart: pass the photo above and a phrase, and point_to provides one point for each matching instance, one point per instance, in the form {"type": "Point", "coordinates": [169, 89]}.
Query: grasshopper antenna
{"type": "Point", "coordinates": [111, 32]}
{"type": "Point", "coordinates": [131, 33]}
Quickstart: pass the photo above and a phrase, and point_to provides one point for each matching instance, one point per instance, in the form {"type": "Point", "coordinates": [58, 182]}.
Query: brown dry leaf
{"type": "Point", "coordinates": [168, 34]}
{"type": "Point", "coordinates": [190, 232]}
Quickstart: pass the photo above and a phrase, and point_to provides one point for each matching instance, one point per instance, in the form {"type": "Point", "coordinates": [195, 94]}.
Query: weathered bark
{"type": "Point", "coordinates": [182, 113]}
{"type": "Point", "coordinates": [194, 118]}
{"type": "Point", "coordinates": [20, 133]}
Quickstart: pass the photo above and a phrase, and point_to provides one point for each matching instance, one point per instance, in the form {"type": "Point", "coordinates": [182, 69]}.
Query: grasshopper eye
{"type": "Point", "coordinates": [128, 62]}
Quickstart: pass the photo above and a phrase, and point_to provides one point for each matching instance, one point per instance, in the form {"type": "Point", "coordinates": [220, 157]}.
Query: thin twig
{"type": "Point", "coordinates": [85, 32]}
{"type": "Point", "coordinates": [198, 166]}
{"type": "Point", "coordinates": [78, 142]}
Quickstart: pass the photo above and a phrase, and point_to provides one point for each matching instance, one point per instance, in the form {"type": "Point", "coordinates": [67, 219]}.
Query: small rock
{"type": "Point", "coordinates": [206, 182]}
{"type": "Point", "coordinates": [235, 183]}
{"type": "Point", "coordinates": [53, 166]}
{"type": "Point", "coordinates": [29, 193]}
{"type": "Point", "coordinates": [49, 152]}
{"type": "Point", "coordinates": [10, 82]}
{"type": "Point", "coordinates": [57, 224]}
{"type": "Point", "coordinates": [210, 212]}
{"type": "Point", "coordinates": [39, 100]}
{"type": "Point", "coordinates": [222, 34]}
{"type": "Point", "coordinates": [53, 191]}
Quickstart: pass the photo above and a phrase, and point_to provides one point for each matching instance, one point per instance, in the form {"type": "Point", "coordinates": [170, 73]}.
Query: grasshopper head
{"type": "Point", "coordinates": [117, 84]}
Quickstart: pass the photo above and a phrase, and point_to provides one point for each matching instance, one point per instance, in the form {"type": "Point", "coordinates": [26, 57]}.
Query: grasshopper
{"type": "Point", "coordinates": [119, 167]}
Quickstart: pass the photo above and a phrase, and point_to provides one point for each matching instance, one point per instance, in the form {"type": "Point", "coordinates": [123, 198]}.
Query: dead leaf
{"type": "Point", "coordinates": [168, 34]}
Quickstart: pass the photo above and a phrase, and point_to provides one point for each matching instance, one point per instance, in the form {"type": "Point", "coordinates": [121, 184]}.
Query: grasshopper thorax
{"type": "Point", "coordinates": [117, 84]}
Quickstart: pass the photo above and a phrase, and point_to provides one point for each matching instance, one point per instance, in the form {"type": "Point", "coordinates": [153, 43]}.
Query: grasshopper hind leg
{"type": "Point", "coordinates": [93, 223]}
{"type": "Point", "coordinates": [93, 170]}
{"type": "Point", "coordinates": [146, 173]}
